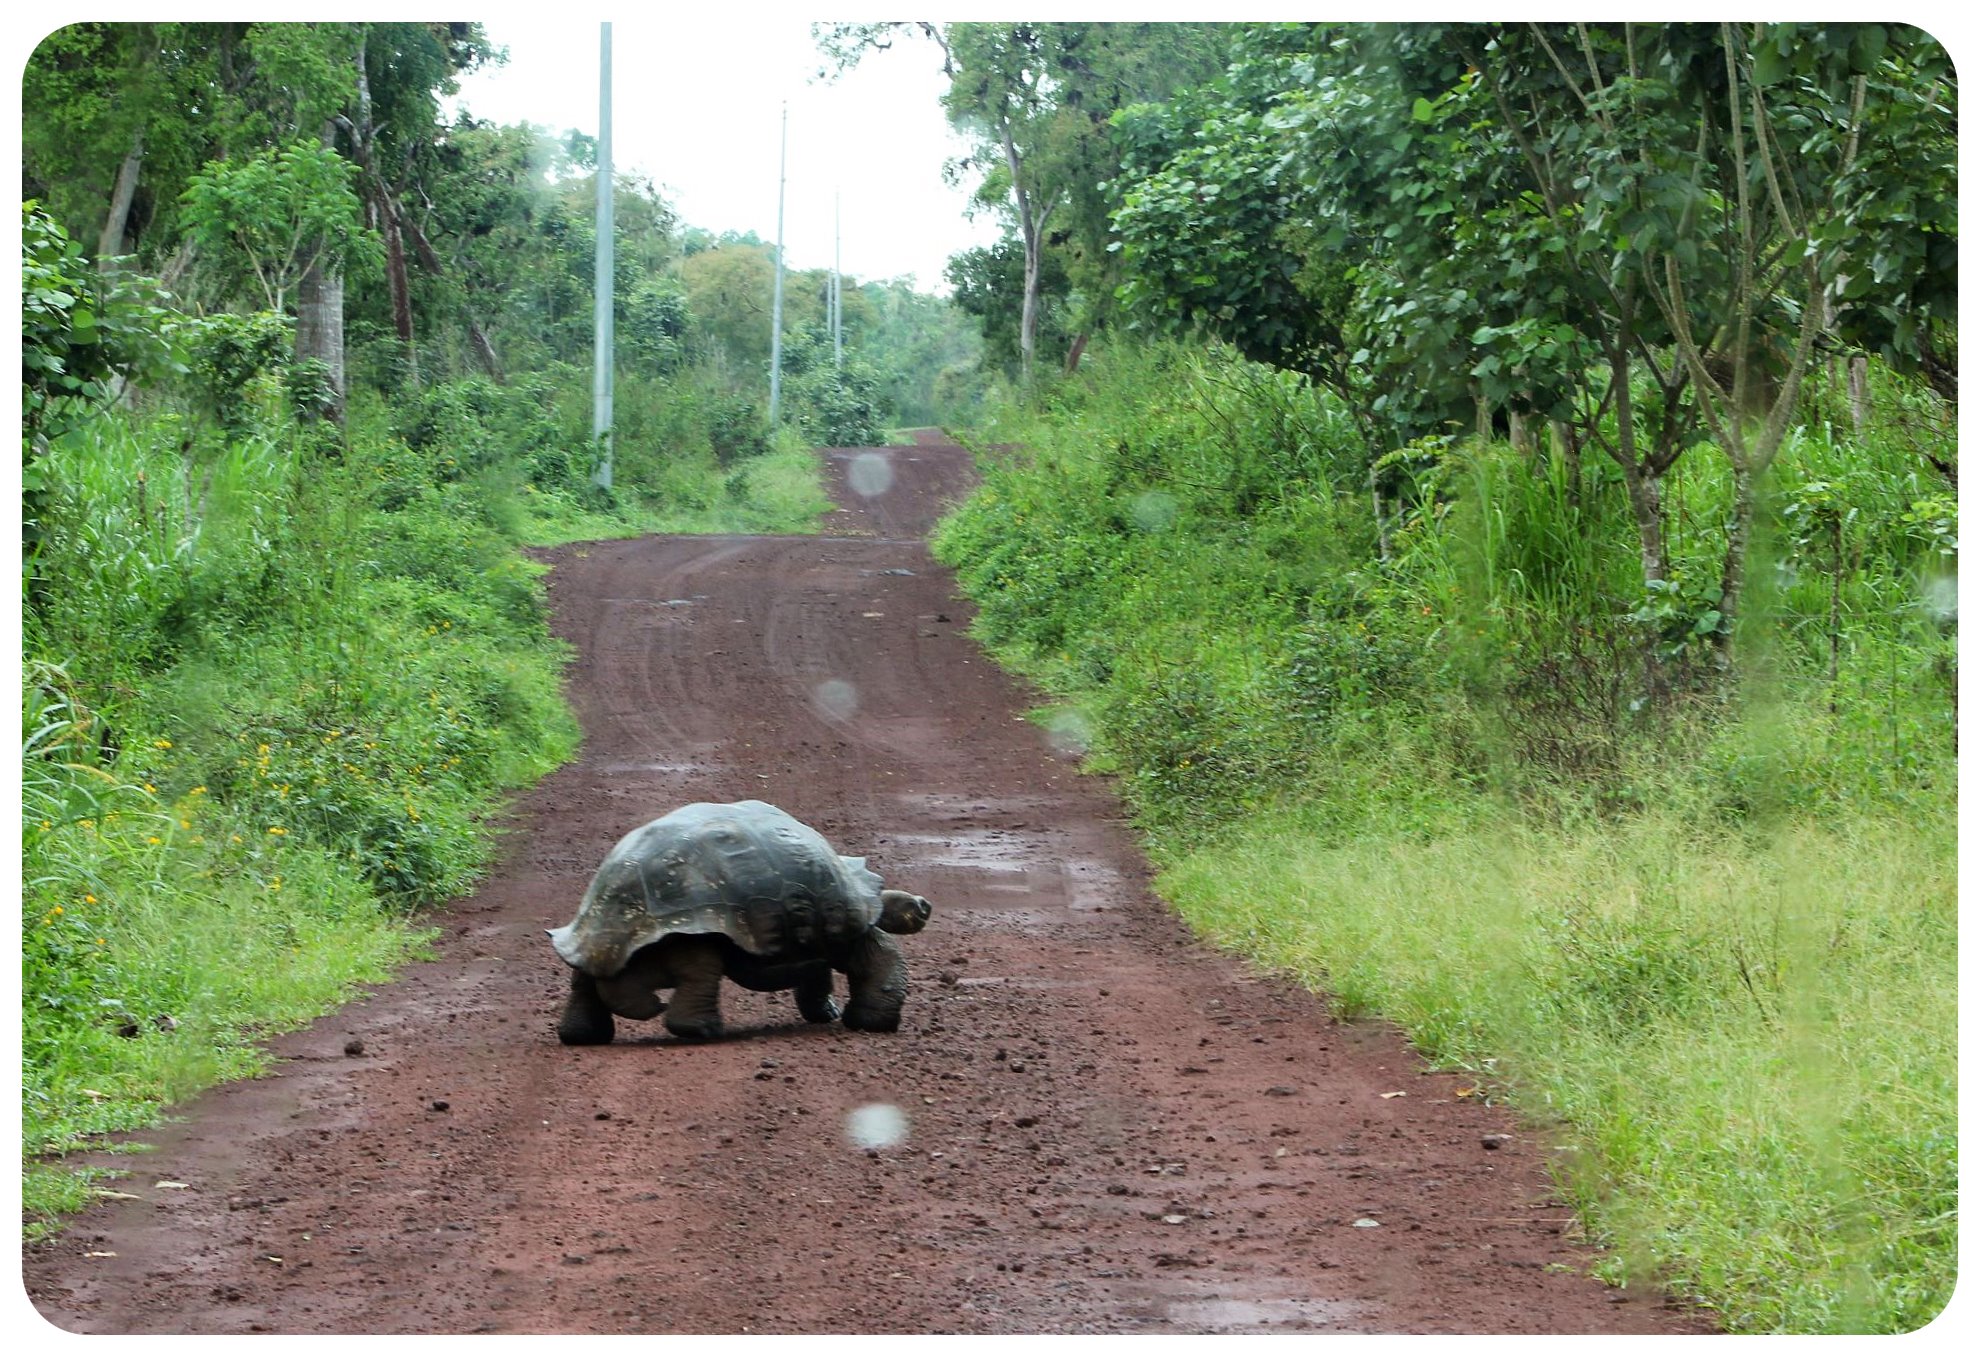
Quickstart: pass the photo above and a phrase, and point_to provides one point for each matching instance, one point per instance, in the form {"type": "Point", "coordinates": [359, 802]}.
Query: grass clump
{"type": "Point", "coordinates": [1744, 1047]}
{"type": "Point", "coordinates": [1388, 723]}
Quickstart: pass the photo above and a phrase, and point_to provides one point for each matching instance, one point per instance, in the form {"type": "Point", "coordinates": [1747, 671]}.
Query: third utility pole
{"type": "Point", "coordinates": [838, 293]}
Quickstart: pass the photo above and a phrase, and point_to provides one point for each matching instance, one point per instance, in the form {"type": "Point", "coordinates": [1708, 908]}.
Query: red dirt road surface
{"type": "Point", "coordinates": [1106, 1126]}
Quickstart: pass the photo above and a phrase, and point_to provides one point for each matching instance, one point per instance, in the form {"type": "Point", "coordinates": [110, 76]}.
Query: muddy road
{"type": "Point", "coordinates": [1109, 1127]}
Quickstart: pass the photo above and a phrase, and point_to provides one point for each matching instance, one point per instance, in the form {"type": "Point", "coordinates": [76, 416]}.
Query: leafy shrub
{"type": "Point", "coordinates": [231, 356]}
{"type": "Point", "coordinates": [1425, 762]}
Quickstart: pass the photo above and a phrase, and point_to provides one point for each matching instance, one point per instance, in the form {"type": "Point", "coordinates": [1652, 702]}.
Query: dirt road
{"type": "Point", "coordinates": [1109, 1128]}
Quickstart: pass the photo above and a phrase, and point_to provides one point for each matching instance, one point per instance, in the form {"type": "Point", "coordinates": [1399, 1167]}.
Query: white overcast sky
{"type": "Point", "coordinates": [696, 103]}
{"type": "Point", "coordinates": [697, 94]}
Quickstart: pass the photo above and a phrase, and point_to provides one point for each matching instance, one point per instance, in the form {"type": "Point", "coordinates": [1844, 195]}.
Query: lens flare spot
{"type": "Point", "coordinates": [1153, 510]}
{"type": "Point", "coordinates": [870, 474]}
{"type": "Point", "coordinates": [876, 1126]}
{"type": "Point", "coordinates": [836, 699]}
{"type": "Point", "coordinates": [1940, 595]}
{"type": "Point", "coordinates": [1069, 732]}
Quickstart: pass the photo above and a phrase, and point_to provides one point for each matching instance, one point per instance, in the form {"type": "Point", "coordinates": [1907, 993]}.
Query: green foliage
{"type": "Point", "coordinates": [80, 333]}
{"type": "Point", "coordinates": [835, 403]}
{"type": "Point", "coordinates": [229, 354]}
{"type": "Point", "coordinates": [1405, 740]}
{"type": "Point", "coordinates": [274, 216]}
{"type": "Point", "coordinates": [652, 333]}
{"type": "Point", "coordinates": [264, 714]}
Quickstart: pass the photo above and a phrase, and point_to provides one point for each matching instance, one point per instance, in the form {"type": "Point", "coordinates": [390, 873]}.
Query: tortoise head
{"type": "Point", "coordinates": [901, 912]}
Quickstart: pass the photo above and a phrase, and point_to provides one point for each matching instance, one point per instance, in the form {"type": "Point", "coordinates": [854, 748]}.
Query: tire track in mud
{"type": "Point", "coordinates": [1111, 1128]}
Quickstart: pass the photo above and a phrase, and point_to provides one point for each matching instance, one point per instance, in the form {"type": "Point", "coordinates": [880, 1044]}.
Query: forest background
{"type": "Point", "coordinates": [1488, 492]}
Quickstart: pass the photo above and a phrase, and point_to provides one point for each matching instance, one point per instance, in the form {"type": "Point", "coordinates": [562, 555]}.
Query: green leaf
{"type": "Point", "coordinates": [1769, 64]}
{"type": "Point", "coordinates": [1423, 111]}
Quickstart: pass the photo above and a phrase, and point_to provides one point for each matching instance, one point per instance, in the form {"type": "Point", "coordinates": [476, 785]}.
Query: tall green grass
{"type": "Point", "coordinates": [275, 687]}
{"type": "Point", "coordinates": [1739, 1047]}
{"type": "Point", "coordinates": [1705, 940]}
{"type": "Point", "coordinates": [278, 683]}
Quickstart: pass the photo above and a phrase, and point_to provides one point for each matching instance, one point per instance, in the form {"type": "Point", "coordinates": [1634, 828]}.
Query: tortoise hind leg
{"type": "Point", "coordinates": [695, 1011]}
{"type": "Point", "coordinates": [877, 974]}
{"type": "Point", "coordinates": [586, 1020]}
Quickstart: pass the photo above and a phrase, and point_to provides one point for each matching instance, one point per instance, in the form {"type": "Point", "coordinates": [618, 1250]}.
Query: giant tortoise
{"type": "Point", "coordinates": [742, 890]}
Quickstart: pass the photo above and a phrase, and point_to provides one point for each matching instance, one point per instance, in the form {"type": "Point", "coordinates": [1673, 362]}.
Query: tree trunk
{"type": "Point", "coordinates": [320, 311]}
{"type": "Point", "coordinates": [320, 327]}
{"type": "Point", "coordinates": [1859, 392]}
{"type": "Point", "coordinates": [484, 350]}
{"type": "Point", "coordinates": [111, 244]}
{"type": "Point", "coordinates": [1646, 503]}
{"type": "Point", "coordinates": [1570, 446]}
{"type": "Point", "coordinates": [1520, 433]}
{"type": "Point", "coordinates": [395, 273]}
{"type": "Point", "coordinates": [1732, 576]}
{"type": "Point", "coordinates": [1074, 353]}
{"type": "Point", "coordinates": [1031, 226]}
{"type": "Point", "coordinates": [1028, 317]}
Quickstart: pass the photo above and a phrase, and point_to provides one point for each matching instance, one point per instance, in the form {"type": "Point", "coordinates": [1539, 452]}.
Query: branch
{"type": "Point", "coordinates": [1594, 74]}
{"type": "Point", "coordinates": [1694, 358]}
{"type": "Point", "coordinates": [1561, 66]}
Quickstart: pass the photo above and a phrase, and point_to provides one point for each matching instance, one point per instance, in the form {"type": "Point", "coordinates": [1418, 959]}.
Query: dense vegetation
{"type": "Point", "coordinates": [305, 367]}
{"type": "Point", "coordinates": [1487, 491]}
{"type": "Point", "coordinates": [1520, 599]}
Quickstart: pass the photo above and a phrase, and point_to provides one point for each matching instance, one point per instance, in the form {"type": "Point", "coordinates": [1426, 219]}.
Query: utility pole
{"type": "Point", "coordinates": [601, 372]}
{"type": "Point", "coordinates": [838, 292]}
{"type": "Point", "coordinates": [777, 295]}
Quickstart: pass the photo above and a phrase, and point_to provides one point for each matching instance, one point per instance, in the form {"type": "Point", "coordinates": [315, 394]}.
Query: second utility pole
{"type": "Point", "coordinates": [601, 341]}
{"type": "Point", "coordinates": [777, 294]}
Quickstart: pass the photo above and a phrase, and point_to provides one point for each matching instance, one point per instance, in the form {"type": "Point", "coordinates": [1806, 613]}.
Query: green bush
{"type": "Point", "coordinates": [268, 707]}
{"type": "Point", "coordinates": [1406, 744]}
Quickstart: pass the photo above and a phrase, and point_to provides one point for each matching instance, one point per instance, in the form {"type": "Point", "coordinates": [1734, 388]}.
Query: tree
{"type": "Point", "coordinates": [1038, 98]}
{"type": "Point", "coordinates": [274, 216]}
{"type": "Point", "coordinates": [989, 283]}
{"type": "Point", "coordinates": [728, 291]}
{"type": "Point", "coordinates": [1551, 219]}
{"type": "Point", "coordinates": [115, 119]}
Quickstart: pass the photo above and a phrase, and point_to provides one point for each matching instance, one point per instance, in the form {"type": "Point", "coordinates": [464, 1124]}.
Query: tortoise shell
{"type": "Point", "coordinates": [746, 870]}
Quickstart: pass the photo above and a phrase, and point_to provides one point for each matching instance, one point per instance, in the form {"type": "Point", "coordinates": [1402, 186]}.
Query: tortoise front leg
{"type": "Point", "coordinates": [814, 995]}
{"type": "Point", "coordinates": [695, 1011]}
{"type": "Point", "coordinates": [586, 1020]}
{"type": "Point", "coordinates": [877, 974]}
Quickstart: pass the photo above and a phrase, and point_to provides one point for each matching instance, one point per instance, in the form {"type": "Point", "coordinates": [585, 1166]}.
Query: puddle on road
{"type": "Point", "coordinates": [624, 766]}
{"type": "Point", "coordinates": [1222, 1314]}
{"type": "Point", "coordinates": [982, 850]}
